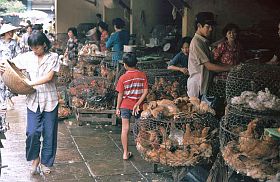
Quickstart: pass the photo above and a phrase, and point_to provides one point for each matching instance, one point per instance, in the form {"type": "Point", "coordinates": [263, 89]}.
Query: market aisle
{"type": "Point", "coordinates": [85, 153]}
{"type": "Point", "coordinates": [69, 165]}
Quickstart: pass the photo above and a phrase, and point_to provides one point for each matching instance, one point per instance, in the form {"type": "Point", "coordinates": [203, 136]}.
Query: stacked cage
{"type": "Point", "coordinates": [245, 145]}
{"type": "Point", "coordinates": [218, 86]}
{"type": "Point", "coordinates": [165, 84]}
{"type": "Point", "coordinates": [153, 64]}
{"type": "Point", "coordinates": [188, 141]}
{"type": "Point", "coordinates": [252, 77]}
{"type": "Point", "coordinates": [63, 100]}
{"type": "Point", "coordinates": [91, 92]}
{"type": "Point", "coordinates": [64, 76]}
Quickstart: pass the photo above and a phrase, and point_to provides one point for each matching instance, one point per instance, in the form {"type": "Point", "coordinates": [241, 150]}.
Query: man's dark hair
{"type": "Point", "coordinates": [130, 59]}
{"type": "Point", "coordinates": [230, 27]}
{"type": "Point", "coordinates": [38, 38]}
{"type": "Point", "coordinates": [73, 30]}
{"type": "Point", "coordinates": [204, 18]}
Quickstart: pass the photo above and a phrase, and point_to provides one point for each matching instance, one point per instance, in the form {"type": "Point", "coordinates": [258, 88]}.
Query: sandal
{"type": "Point", "coordinates": [45, 169]}
{"type": "Point", "coordinates": [34, 170]}
{"type": "Point", "coordinates": [129, 155]}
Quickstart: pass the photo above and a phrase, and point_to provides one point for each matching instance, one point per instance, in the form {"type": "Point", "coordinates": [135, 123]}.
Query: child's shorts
{"type": "Point", "coordinates": [127, 113]}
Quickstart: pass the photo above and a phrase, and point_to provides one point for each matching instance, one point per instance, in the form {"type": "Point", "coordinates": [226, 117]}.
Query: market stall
{"type": "Point", "coordinates": [249, 135]}
{"type": "Point", "coordinates": [180, 133]}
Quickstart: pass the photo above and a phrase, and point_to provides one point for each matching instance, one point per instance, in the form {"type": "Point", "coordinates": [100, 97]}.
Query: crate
{"type": "Point", "coordinates": [90, 115]}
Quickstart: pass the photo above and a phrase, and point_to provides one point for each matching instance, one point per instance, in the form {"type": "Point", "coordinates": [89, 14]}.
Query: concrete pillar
{"type": "Point", "coordinates": [29, 5]}
{"type": "Point", "coordinates": [185, 23]}
{"type": "Point", "coordinates": [131, 18]}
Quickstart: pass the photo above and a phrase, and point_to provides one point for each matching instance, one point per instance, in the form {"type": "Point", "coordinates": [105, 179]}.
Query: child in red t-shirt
{"type": "Point", "coordinates": [132, 89]}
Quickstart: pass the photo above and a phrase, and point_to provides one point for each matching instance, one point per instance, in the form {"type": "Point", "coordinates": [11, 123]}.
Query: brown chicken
{"type": "Point", "coordinates": [231, 156]}
{"type": "Point", "coordinates": [165, 102]}
{"type": "Point", "coordinates": [187, 136]}
{"type": "Point", "coordinates": [146, 114]}
{"type": "Point", "coordinates": [159, 112]}
{"type": "Point", "coordinates": [78, 102]}
{"type": "Point", "coordinates": [204, 108]}
{"type": "Point", "coordinates": [151, 96]}
{"type": "Point", "coordinates": [253, 147]}
{"type": "Point", "coordinates": [154, 139]}
{"type": "Point", "coordinates": [63, 112]}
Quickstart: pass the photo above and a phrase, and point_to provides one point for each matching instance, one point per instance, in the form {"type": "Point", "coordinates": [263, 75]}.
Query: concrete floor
{"type": "Point", "coordinates": [85, 153]}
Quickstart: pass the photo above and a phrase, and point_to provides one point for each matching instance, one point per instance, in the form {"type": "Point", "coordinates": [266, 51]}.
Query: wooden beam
{"type": "Point", "coordinates": [123, 5]}
{"type": "Point", "coordinates": [92, 2]}
{"type": "Point", "coordinates": [131, 18]}
{"type": "Point", "coordinates": [185, 22]}
{"type": "Point", "coordinates": [180, 5]}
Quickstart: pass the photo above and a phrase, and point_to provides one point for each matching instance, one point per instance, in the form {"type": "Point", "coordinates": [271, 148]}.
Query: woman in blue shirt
{"type": "Point", "coordinates": [117, 40]}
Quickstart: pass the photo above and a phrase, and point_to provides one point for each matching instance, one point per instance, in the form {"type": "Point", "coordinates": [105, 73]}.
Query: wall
{"type": "Point", "coordinates": [245, 13]}
{"type": "Point", "coordinates": [117, 12]}
{"type": "Point", "coordinates": [148, 13]}
{"type": "Point", "coordinates": [73, 12]}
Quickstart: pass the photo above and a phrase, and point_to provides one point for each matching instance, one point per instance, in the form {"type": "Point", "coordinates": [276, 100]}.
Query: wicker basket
{"type": "Point", "coordinates": [153, 140]}
{"type": "Point", "coordinates": [252, 77]}
{"type": "Point", "coordinates": [234, 133]}
{"type": "Point", "coordinates": [14, 79]}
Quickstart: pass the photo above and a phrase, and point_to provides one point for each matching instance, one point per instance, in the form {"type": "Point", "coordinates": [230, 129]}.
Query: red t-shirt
{"type": "Point", "coordinates": [132, 85]}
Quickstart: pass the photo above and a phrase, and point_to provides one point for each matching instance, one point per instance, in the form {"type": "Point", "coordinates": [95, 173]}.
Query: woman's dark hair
{"type": "Point", "coordinates": [38, 38]}
{"type": "Point", "coordinates": [103, 25]}
{"type": "Point", "coordinates": [37, 27]}
{"type": "Point", "coordinates": [184, 40]}
{"type": "Point", "coordinates": [28, 22]}
{"type": "Point", "coordinates": [98, 15]}
{"type": "Point", "coordinates": [130, 59]}
{"type": "Point", "coordinates": [27, 26]}
{"type": "Point", "coordinates": [73, 30]}
{"type": "Point", "coordinates": [230, 27]}
{"type": "Point", "coordinates": [118, 22]}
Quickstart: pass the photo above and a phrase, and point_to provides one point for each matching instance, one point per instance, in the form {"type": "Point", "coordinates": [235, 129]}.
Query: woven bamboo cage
{"type": "Point", "coordinates": [253, 77]}
{"type": "Point", "coordinates": [186, 142]}
{"type": "Point", "coordinates": [245, 146]}
{"type": "Point", "coordinates": [15, 80]}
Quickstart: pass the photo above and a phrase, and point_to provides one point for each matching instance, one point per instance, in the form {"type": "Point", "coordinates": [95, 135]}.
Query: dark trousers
{"type": "Point", "coordinates": [44, 124]}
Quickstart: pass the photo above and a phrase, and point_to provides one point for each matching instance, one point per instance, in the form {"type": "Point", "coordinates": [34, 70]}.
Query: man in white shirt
{"type": "Point", "coordinates": [200, 57]}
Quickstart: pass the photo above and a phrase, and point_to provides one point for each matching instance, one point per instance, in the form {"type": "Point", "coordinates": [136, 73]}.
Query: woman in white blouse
{"type": "Point", "coordinates": [42, 106]}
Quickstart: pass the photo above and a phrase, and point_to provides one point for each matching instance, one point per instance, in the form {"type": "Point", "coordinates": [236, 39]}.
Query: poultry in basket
{"type": "Point", "coordinates": [63, 112]}
{"type": "Point", "coordinates": [253, 147]}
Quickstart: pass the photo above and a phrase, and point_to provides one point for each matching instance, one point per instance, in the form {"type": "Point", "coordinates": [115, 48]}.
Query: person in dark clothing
{"type": "Point", "coordinates": [276, 57]}
{"type": "Point", "coordinates": [180, 61]}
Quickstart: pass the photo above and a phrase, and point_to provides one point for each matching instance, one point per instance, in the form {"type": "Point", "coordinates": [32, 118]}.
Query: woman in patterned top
{"type": "Point", "coordinates": [103, 28]}
{"type": "Point", "coordinates": [229, 51]}
{"type": "Point", "coordinates": [42, 105]}
{"type": "Point", "coordinates": [8, 50]}
{"type": "Point", "coordinates": [72, 45]}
